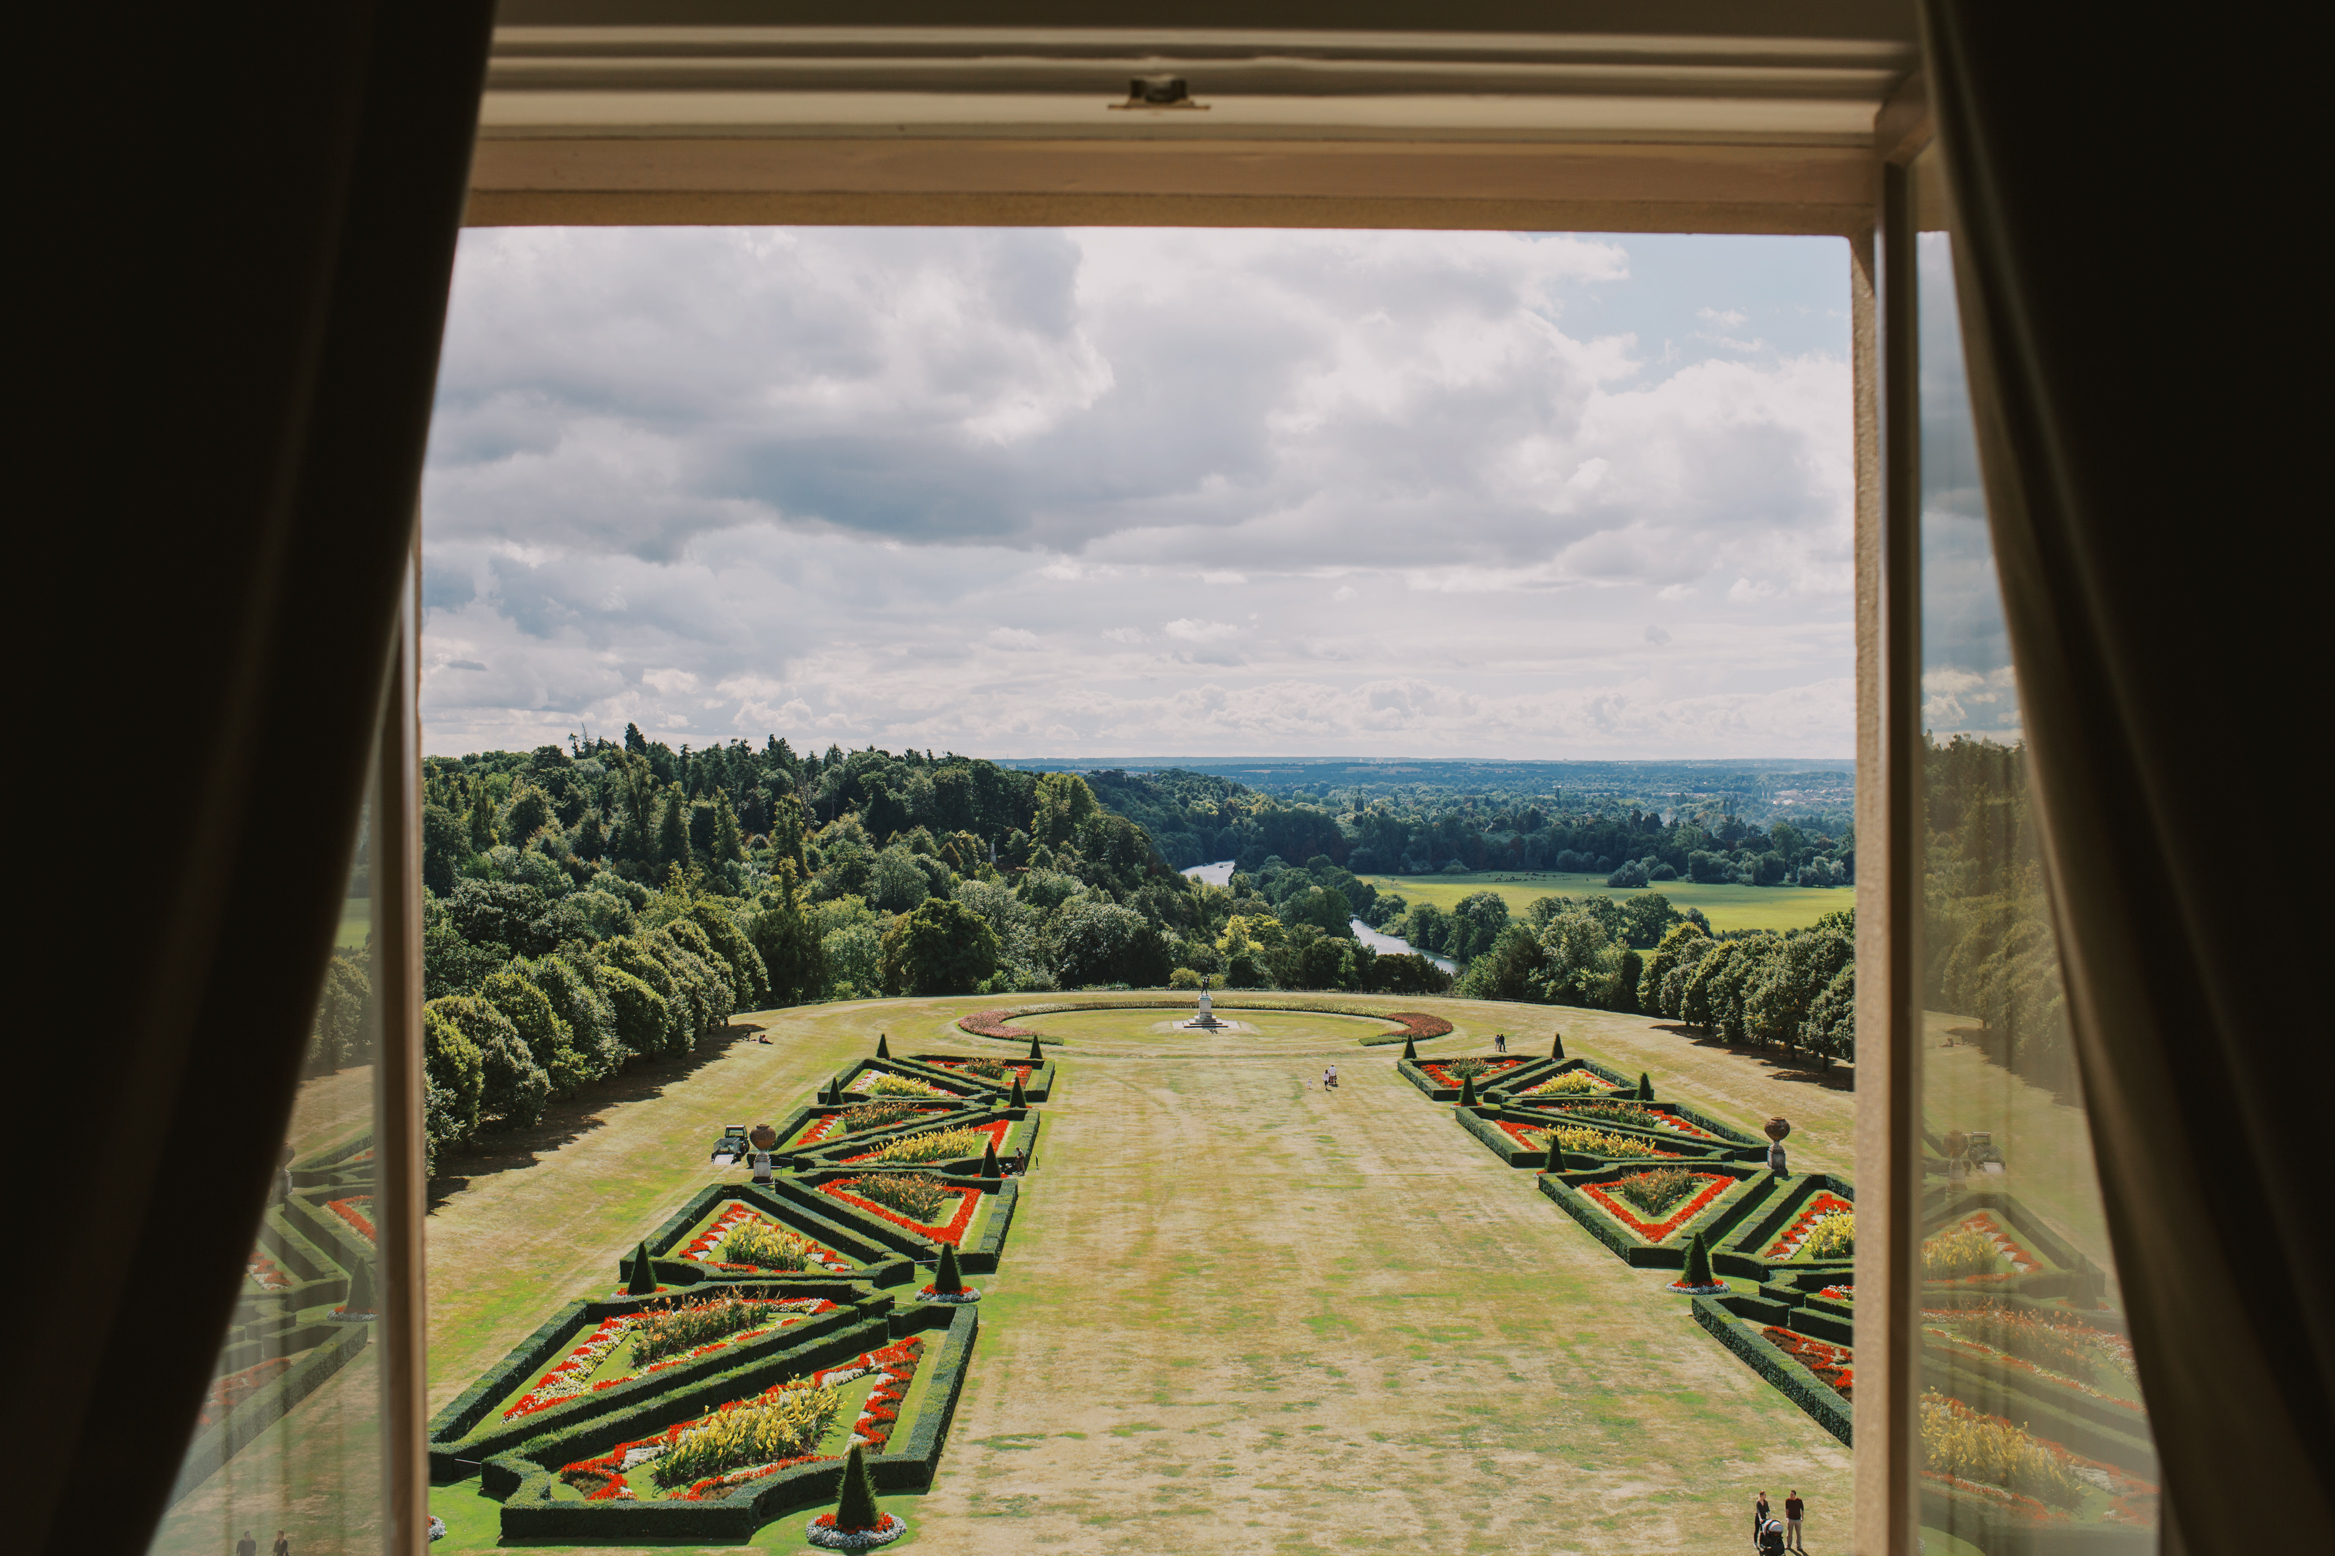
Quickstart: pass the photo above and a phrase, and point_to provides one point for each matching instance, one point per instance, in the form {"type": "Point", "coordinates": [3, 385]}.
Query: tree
{"type": "Point", "coordinates": [1831, 1029]}
{"type": "Point", "coordinates": [482, 820]}
{"type": "Point", "coordinates": [1777, 1004]}
{"type": "Point", "coordinates": [456, 1074]}
{"type": "Point", "coordinates": [578, 1000]}
{"type": "Point", "coordinates": [673, 829]}
{"type": "Point", "coordinates": [896, 884]}
{"type": "Point", "coordinates": [1104, 943]}
{"type": "Point", "coordinates": [1698, 1264]}
{"type": "Point", "coordinates": [1063, 802]}
{"type": "Point", "coordinates": [942, 947]}
{"type": "Point", "coordinates": [529, 813]}
{"type": "Point", "coordinates": [1667, 956]}
{"type": "Point", "coordinates": [728, 842]}
{"type": "Point", "coordinates": [1645, 1087]}
{"type": "Point", "coordinates": [1506, 970]}
{"type": "Point", "coordinates": [445, 847]}
{"type": "Point", "coordinates": [1646, 919]}
{"type": "Point", "coordinates": [794, 962]}
{"type": "Point", "coordinates": [947, 1278]}
{"type": "Point", "coordinates": [513, 1086]}
{"type": "Point", "coordinates": [644, 1274]}
{"type": "Point", "coordinates": [1477, 920]}
{"type": "Point", "coordinates": [549, 1041]}
{"type": "Point", "coordinates": [749, 975]}
{"type": "Point", "coordinates": [643, 1017]}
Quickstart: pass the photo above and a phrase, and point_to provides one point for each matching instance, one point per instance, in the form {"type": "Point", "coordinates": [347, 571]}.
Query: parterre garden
{"type": "Point", "coordinates": [800, 1338]}
{"type": "Point", "coordinates": [2030, 1418]}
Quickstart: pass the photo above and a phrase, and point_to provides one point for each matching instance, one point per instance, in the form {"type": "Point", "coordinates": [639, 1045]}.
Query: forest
{"type": "Point", "coordinates": [589, 905]}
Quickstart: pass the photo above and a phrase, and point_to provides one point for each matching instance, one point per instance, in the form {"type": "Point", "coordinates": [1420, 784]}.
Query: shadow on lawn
{"type": "Point", "coordinates": [564, 1123]}
{"type": "Point", "coordinates": [1779, 1066]}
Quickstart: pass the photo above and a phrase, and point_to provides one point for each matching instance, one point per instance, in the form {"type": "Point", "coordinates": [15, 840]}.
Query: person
{"type": "Point", "coordinates": [283, 1546]}
{"type": "Point", "coordinates": [1499, 1042]}
{"type": "Point", "coordinates": [247, 1546]}
{"type": "Point", "coordinates": [1794, 1511]}
{"type": "Point", "coordinates": [1759, 1516]}
{"type": "Point", "coordinates": [1332, 1082]}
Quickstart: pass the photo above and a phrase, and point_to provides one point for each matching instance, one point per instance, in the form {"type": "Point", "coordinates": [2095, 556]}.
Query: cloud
{"type": "Point", "coordinates": [1657, 635]}
{"type": "Point", "coordinates": [726, 482]}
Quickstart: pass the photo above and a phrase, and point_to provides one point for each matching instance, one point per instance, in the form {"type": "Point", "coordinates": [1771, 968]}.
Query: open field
{"type": "Point", "coordinates": [1236, 1310]}
{"type": "Point", "coordinates": [1727, 907]}
{"type": "Point", "coordinates": [356, 923]}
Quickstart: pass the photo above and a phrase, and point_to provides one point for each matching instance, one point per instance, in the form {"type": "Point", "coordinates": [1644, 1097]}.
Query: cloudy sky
{"type": "Point", "coordinates": [1093, 493]}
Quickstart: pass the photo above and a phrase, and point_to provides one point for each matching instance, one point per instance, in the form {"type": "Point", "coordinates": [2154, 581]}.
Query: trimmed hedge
{"type": "Point", "coordinates": [879, 1260]}
{"type": "Point", "coordinates": [523, 1479]}
{"type": "Point", "coordinates": [1803, 1388]}
{"type": "Point", "coordinates": [1753, 1241]}
{"type": "Point", "coordinates": [1752, 1186]}
{"type": "Point", "coordinates": [461, 1433]}
{"type": "Point", "coordinates": [1484, 1123]}
{"type": "Point", "coordinates": [906, 1242]}
{"type": "Point", "coordinates": [1037, 1088]}
{"type": "Point", "coordinates": [268, 1404]}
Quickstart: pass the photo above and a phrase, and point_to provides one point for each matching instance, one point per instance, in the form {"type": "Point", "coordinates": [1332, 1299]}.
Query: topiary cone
{"type": "Point", "coordinates": [1698, 1264]}
{"type": "Point", "coordinates": [1020, 1098]}
{"type": "Point", "coordinates": [644, 1274]}
{"type": "Point", "coordinates": [855, 1506]}
{"type": "Point", "coordinates": [361, 1298]}
{"type": "Point", "coordinates": [1556, 1045]}
{"type": "Point", "coordinates": [947, 1281]}
{"type": "Point", "coordinates": [883, 1047]}
{"type": "Point", "coordinates": [1037, 1054]}
{"type": "Point", "coordinates": [834, 1090]}
{"type": "Point", "coordinates": [1467, 1091]}
{"type": "Point", "coordinates": [1410, 1049]}
{"type": "Point", "coordinates": [989, 1167]}
{"type": "Point", "coordinates": [1645, 1088]}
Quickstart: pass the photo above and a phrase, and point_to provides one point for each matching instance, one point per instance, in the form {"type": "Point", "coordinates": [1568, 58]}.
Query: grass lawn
{"type": "Point", "coordinates": [1727, 907]}
{"type": "Point", "coordinates": [1235, 1310]}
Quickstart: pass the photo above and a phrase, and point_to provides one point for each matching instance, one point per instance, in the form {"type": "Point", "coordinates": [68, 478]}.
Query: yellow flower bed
{"type": "Point", "coordinates": [1962, 1252]}
{"type": "Point", "coordinates": [935, 1145]}
{"type": "Point", "coordinates": [1587, 1140]}
{"type": "Point", "coordinates": [1573, 1083]}
{"type": "Point", "coordinates": [1832, 1236]}
{"type": "Point", "coordinates": [885, 1084]}
{"type": "Point", "coordinates": [766, 1247]}
{"type": "Point", "coordinates": [785, 1423]}
{"type": "Point", "coordinates": [1959, 1441]}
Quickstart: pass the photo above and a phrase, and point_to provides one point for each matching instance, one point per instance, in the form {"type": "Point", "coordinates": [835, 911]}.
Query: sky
{"type": "Point", "coordinates": [1120, 492]}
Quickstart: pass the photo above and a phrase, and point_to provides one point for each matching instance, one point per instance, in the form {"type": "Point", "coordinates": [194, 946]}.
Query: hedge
{"type": "Point", "coordinates": [906, 1242]}
{"type": "Point", "coordinates": [1802, 1387]}
{"type": "Point", "coordinates": [879, 1259]}
{"type": "Point", "coordinates": [268, 1404]}
{"type": "Point", "coordinates": [1753, 1241]}
{"type": "Point", "coordinates": [461, 1435]}
{"type": "Point", "coordinates": [1752, 1186]}
{"type": "Point", "coordinates": [1037, 1088]}
{"type": "Point", "coordinates": [524, 1478]}
{"type": "Point", "coordinates": [1484, 1124]}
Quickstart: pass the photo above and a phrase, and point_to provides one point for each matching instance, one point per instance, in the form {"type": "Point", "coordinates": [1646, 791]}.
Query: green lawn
{"type": "Point", "coordinates": [1727, 907]}
{"type": "Point", "coordinates": [1235, 1312]}
{"type": "Point", "coordinates": [356, 922]}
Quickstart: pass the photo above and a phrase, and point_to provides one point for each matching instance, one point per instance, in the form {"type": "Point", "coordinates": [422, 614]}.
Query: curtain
{"type": "Point", "coordinates": [239, 230]}
{"type": "Point", "coordinates": [2126, 296]}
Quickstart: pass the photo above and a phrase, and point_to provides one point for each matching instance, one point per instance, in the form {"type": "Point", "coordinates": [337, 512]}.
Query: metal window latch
{"type": "Point", "coordinates": [1159, 92]}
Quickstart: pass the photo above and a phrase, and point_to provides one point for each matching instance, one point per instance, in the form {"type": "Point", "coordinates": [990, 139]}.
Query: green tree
{"type": "Point", "coordinates": [1777, 1004]}
{"type": "Point", "coordinates": [445, 847]}
{"type": "Point", "coordinates": [578, 1000]}
{"type": "Point", "coordinates": [1507, 970]}
{"type": "Point", "coordinates": [728, 842]}
{"type": "Point", "coordinates": [1063, 802]}
{"type": "Point", "coordinates": [482, 821]}
{"type": "Point", "coordinates": [1698, 1264]}
{"type": "Point", "coordinates": [1831, 1029]}
{"type": "Point", "coordinates": [643, 1016]}
{"type": "Point", "coordinates": [855, 1501]}
{"type": "Point", "coordinates": [673, 828]}
{"type": "Point", "coordinates": [1667, 956]}
{"type": "Point", "coordinates": [529, 813]}
{"type": "Point", "coordinates": [784, 937]}
{"type": "Point", "coordinates": [513, 1086]}
{"type": "Point", "coordinates": [940, 948]}
{"type": "Point", "coordinates": [550, 1042]}
{"type": "Point", "coordinates": [749, 975]}
{"type": "Point", "coordinates": [456, 1074]}
{"type": "Point", "coordinates": [1477, 920]}
{"type": "Point", "coordinates": [1646, 918]}
{"type": "Point", "coordinates": [897, 884]}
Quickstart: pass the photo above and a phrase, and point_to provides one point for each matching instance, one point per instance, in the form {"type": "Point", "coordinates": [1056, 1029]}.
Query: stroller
{"type": "Point", "coordinates": [1767, 1537]}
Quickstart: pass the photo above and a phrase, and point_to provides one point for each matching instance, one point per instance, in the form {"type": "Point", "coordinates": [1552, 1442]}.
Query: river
{"type": "Point", "coordinates": [1392, 945]}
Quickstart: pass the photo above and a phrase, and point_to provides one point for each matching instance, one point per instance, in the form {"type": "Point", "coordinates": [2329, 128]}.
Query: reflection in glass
{"type": "Point", "coordinates": [288, 1446]}
{"type": "Point", "coordinates": [2031, 1421]}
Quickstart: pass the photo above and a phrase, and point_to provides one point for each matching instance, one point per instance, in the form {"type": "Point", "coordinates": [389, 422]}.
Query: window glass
{"type": "Point", "coordinates": [288, 1448]}
{"type": "Point", "coordinates": [2029, 1413]}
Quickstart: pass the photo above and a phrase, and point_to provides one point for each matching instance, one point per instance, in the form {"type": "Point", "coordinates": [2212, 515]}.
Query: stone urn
{"type": "Point", "coordinates": [1778, 1128]}
{"type": "Point", "coordinates": [764, 1137]}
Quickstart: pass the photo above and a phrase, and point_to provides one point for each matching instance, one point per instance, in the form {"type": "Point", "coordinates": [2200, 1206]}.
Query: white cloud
{"type": "Point", "coordinates": [727, 481]}
{"type": "Point", "coordinates": [1657, 635]}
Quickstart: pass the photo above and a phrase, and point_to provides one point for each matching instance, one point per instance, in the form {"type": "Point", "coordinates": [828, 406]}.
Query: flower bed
{"type": "Point", "coordinates": [1419, 1026]}
{"type": "Point", "coordinates": [1833, 1364]}
{"type": "Point", "coordinates": [603, 1479]}
{"type": "Point", "coordinates": [859, 1116]}
{"type": "Point", "coordinates": [992, 1023]}
{"type": "Point", "coordinates": [701, 1248]}
{"type": "Point", "coordinates": [232, 1390]}
{"type": "Point", "coordinates": [1637, 1116]}
{"type": "Point", "coordinates": [1839, 1293]}
{"type": "Point", "coordinates": [950, 1231]}
{"type": "Point", "coordinates": [1536, 1137]}
{"type": "Point", "coordinates": [573, 1375]}
{"type": "Point", "coordinates": [823, 1532]}
{"type": "Point", "coordinates": [1654, 1231]}
{"type": "Point", "coordinates": [1008, 1071]}
{"type": "Point", "coordinates": [265, 1273]}
{"type": "Point", "coordinates": [356, 1210]}
{"type": "Point", "coordinates": [1574, 1083]}
{"type": "Point", "coordinates": [1440, 1069]}
{"type": "Point", "coordinates": [1820, 1204]}
{"type": "Point", "coordinates": [905, 1150]}
{"type": "Point", "coordinates": [1940, 1252]}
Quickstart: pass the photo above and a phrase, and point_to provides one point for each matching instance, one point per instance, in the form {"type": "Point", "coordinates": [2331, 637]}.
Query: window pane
{"type": "Point", "coordinates": [2030, 1415]}
{"type": "Point", "coordinates": [289, 1446]}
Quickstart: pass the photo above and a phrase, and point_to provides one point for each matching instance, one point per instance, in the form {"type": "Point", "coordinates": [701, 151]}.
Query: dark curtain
{"type": "Point", "coordinates": [239, 226]}
{"type": "Point", "coordinates": [2134, 314]}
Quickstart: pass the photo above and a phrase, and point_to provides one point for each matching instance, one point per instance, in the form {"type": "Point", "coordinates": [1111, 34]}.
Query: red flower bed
{"type": "Point", "coordinates": [1021, 1071]}
{"type": "Point", "coordinates": [265, 1272]}
{"type": "Point", "coordinates": [602, 1479]}
{"type": "Point", "coordinates": [1822, 1203]}
{"type": "Point", "coordinates": [995, 1131]}
{"type": "Point", "coordinates": [1662, 1120]}
{"type": "Point", "coordinates": [968, 1200]}
{"type": "Point", "coordinates": [1444, 1077]}
{"type": "Point", "coordinates": [1830, 1363]}
{"type": "Point", "coordinates": [232, 1390]}
{"type": "Point", "coordinates": [1655, 1231]}
{"type": "Point", "coordinates": [1839, 1293]}
{"type": "Point", "coordinates": [992, 1023]}
{"type": "Point", "coordinates": [1419, 1026]}
{"type": "Point", "coordinates": [1535, 1137]}
{"type": "Point", "coordinates": [821, 1129]}
{"type": "Point", "coordinates": [353, 1211]}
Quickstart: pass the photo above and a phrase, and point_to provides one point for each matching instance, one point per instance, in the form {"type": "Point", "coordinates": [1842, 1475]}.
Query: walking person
{"type": "Point", "coordinates": [283, 1545]}
{"type": "Point", "coordinates": [1333, 1081]}
{"type": "Point", "coordinates": [1794, 1510]}
{"type": "Point", "coordinates": [1759, 1517]}
{"type": "Point", "coordinates": [247, 1546]}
